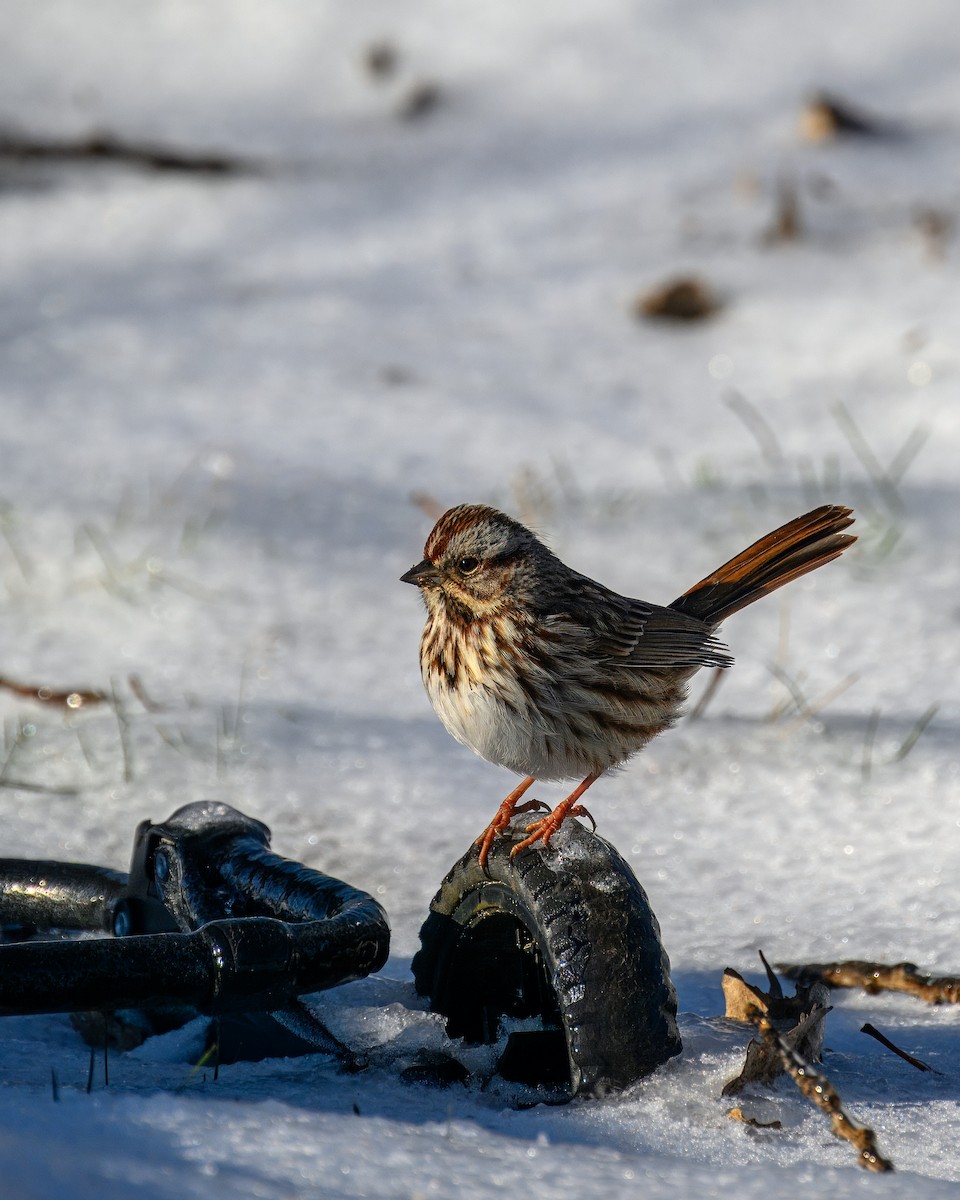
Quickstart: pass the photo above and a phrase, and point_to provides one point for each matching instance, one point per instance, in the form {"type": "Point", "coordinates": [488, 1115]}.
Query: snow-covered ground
{"type": "Point", "coordinates": [219, 399]}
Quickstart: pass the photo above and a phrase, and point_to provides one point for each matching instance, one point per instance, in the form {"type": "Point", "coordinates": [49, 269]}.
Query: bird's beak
{"type": "Point", "coordinates": [424, 574]}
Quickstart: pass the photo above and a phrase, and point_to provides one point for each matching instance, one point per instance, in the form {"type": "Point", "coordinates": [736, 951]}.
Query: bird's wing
{"type": "Point", "coordinates": [632, 633]}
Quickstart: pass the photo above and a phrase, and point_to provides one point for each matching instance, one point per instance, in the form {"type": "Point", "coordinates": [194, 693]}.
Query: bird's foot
{"type": "Point", "coordinates": [499, 824]}
{"type": "Point", "coordinates": [504, 816]}
{"type": "Point", "coordinates": [544, 829]}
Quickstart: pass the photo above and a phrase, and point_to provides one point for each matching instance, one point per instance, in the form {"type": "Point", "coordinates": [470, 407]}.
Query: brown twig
{"type": "Point", "coordinates": [75, 698]}
{"type": "Point", "coordinates": [873, 1032]}
{"type": "Point", "coordinates": [876, 977]}
{"type": "Point", "coordinates": [821, 1092]}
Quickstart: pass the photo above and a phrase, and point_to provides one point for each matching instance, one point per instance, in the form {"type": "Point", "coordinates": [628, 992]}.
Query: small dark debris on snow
{"type": "Point", "coordinates": [685, 298]}
{"type": "Point", "coordinates": [100, 147]}
{"type": "Point", "coordinates": [420, 99]}
{"type": "Point", "coordinates": [123, 1030]}
{"type": "Point", "coordinates": [436, 1069]}
{"type": "Point", "coordinates": [826, 116]}
{"type": "Point", "coordinates": [737, 1114]}
{"type": "Point", "coordinates": [380, 59]}
{"type": "Point", "coordinates": [396, 375]}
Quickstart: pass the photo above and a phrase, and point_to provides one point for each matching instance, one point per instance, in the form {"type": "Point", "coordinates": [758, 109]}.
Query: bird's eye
{"type": "Point", "coordinates": [468, 564]}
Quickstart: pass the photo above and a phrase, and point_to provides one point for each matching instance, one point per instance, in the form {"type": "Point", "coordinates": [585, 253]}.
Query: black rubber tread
{"type": "Point", "coordinates": [598, 942]}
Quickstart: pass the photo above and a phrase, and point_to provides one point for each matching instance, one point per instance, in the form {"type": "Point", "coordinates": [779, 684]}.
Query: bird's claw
{"type": "Point", "coordinates": [582, 811]}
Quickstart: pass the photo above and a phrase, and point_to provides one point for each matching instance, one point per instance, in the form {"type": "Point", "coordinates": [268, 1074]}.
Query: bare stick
{"type": "Point", "coordinates": [41, 692]}
{"type": "Point", "coordinates": [818, 1089]}
{"type": "Point", "coordinates": [875, 977]}
{"type": "Point", "coordinates": [885, 1041]}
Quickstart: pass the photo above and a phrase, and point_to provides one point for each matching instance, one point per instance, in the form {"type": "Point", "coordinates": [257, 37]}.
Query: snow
{"type": "Point", "coordinates": [219, 398]}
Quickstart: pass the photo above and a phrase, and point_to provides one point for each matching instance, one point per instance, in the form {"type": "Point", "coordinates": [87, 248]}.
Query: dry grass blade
{"type": "Point", "coordinates": [792, 685]}
{"type": "Point", "coordinates": [885, 481]}
{"type": "Point", "coordinates": [908, 452]}
{"type": "Point", "coordinates": [100, 147]}
{"type": "Point", "coordinates": [913, 736]}
{"type": "Point", "coordinates": [708, 694]}
{"type": "Point", "coordinates": [429, 505]}
{"type": "Point", "coordinates": [818, 1089]}
{"type": "Point", "coordinates": [758, 425]}
{"type": "Point", "coordinates": [787, 223]}
{"type": "Point", "coordinates": [866, 760]}
{"type": "Point", "coordinates": [123, 727]}
{"type": "Point", "coordinates": [139, 689]}
{"type": "Point", "coordinates": [810, 710]}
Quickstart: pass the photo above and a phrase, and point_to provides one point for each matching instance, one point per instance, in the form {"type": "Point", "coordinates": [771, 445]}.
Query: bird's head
{"type": "Point", "coordinates": [474, 559]}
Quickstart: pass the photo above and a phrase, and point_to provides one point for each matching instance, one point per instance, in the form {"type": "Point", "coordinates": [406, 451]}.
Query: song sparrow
{"type": "Point", "coordinates": [546, 672]}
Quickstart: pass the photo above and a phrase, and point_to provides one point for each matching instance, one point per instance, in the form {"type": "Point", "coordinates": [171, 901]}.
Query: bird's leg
{"type": "Point", "coordinates": [504, 816]}
{"type": "Point", "coordinates": [544, 829]}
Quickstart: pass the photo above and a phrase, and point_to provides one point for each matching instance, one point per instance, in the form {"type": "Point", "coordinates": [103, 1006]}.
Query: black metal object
{"type": "Point", "coordinates": [208, 918]}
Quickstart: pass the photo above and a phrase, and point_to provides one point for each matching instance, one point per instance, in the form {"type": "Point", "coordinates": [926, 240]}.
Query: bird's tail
{"type": "Point", "coordinates": [800, 546]}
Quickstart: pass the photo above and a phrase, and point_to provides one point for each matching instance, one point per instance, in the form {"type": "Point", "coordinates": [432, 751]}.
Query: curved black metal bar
{"type": "Point", "coordinates": [210, 918]}
{"type": "Point", "coordinates": [56, 895]}
{"type": "Point", "coordinates": [225, 966]}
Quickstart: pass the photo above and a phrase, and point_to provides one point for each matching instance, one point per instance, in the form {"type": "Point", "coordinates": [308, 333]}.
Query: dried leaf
{"type": "Point", "coordinates": [737, 1114]}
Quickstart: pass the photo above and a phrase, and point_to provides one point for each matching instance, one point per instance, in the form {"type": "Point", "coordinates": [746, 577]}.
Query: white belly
{"type": "Point", "coordinates": [517, 740]}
